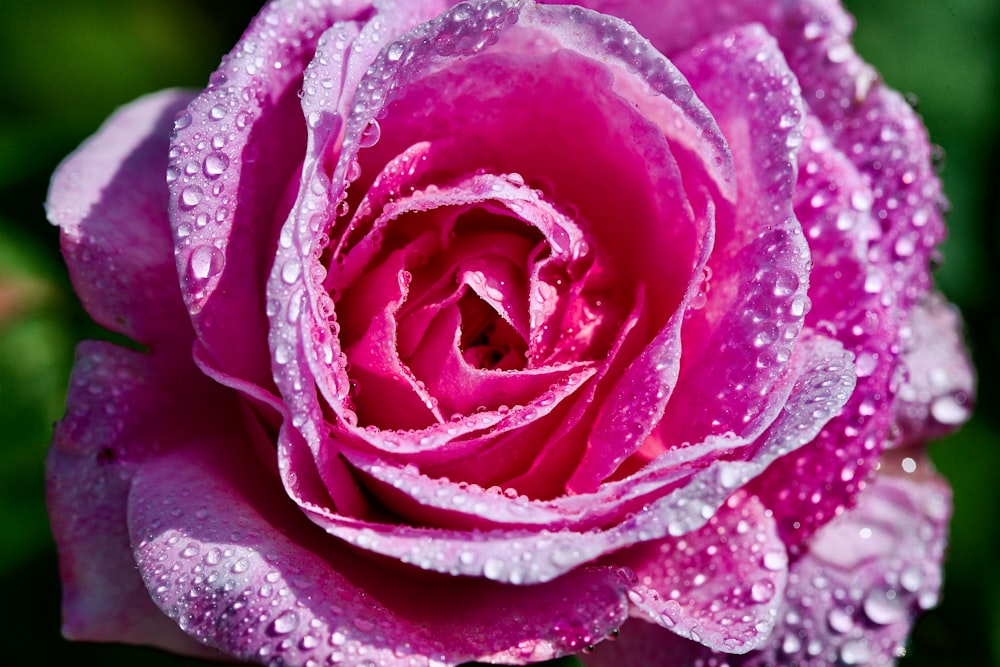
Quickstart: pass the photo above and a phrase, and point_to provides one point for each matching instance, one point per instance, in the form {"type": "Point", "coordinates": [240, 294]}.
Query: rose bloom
{"type": "Point", "coordinates": [503, 330]}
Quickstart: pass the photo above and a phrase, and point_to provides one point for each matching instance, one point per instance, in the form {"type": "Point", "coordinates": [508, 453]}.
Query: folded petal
{"type": "Point", "coordinates": [847, 302]}
{"type": "Point", "coordinates": [110, 201]}
{"type": "Point", "coordinates": [235, 161]}
{"type": "Point", "coordinates": [232, 561]}
{"type": "Point", "coordinates": [721, 585]}
{"type": "Point", "coordinates": [939, 385]}
{"type": "Point", "coordinates": [852, 597]}
{"type": "Point", "coordinates": [122, 413]}
{"type": "Point", "coordinates": [736, 347]}
{"type": "Point", "coordinates": [824, 381]}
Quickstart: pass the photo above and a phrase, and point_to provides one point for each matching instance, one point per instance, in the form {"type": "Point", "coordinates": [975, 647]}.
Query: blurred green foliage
{"type": "Point", "coordinates": [68, 64]}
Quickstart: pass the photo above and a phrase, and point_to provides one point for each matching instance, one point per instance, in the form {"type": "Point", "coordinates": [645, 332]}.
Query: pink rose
{"type": "Point", "coordinates": [498, 330]}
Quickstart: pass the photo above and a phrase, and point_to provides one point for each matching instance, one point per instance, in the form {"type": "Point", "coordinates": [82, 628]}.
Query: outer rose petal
{"type": "Point", "coordinates": [110, 201]}
{"type": "Point", "coordinates": [122, 409]}
{"type": "Point", "coordinates": [720, 585]}
{"type": "Point", "coordinates": [737, 346]}
{"type": "Point", "coordinates": [938, 388]}
{"type": "Point", "coordinates": [869, 123]}
{"type": "Point", "coordinates": [235, 563]}
{"type": "Point", "coordinates": [851, 598]}
{"type": "Point", "coordinates": [236, 151]}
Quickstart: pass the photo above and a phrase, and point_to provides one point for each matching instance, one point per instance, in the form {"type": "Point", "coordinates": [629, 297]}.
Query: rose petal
{"type": "Point", "coordinates": [301, 341]}
{"type": "Point", "coordinates": [720, 585]}
{"type": "Point", "coordinates": [939, 386]}
{"type": "Point", "coordinates": [880, 564]}
{"type": "Point", "coordinates": [210, 550]}
{"type": "Point", "coordinates": [870, 123]}
{"type": "Point", "coordinates": [109, 199]}
{"type": "Point", "coordinates": [824, 384]}
{"type": "Point", "coordinates": [115, 424]}
{"type": "Point", "coordinates": [848, 303]}
{"type": "Point", "coordinates": [736, 346]}
{"type": "Point", "coordinates": [235, 154]}
{"type": "Point", "coordinates": [850, 600]}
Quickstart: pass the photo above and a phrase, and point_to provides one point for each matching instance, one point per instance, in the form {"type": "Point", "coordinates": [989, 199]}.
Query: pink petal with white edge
{"type": "Point", "coordinates": [227, 556]}
{"type": "Point", "coordinates": [736, 347]}
{"type": "Point", "coordinates": [869, 123]}
{"type": "Point", "coordinates": [304, 350]}
{"type": "Point", "coordinates": [110, 201]}
{"type": "Point", "coordinates": [720, 585]}
{"type": "Point", "coordinates": [122, 409]}
{"type": "Point", "coordinates": [851, 599]}
{"type": "Point", "coordinates": [825, 381]}
{"type": "Point", "coordinates": [235, 153]}
{"type": "Point", "coordinates": [939, 383]}
{"type": "Point", "coordinates": [849, 304]}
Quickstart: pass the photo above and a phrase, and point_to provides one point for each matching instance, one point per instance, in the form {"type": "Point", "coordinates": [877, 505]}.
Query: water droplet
{"type": "Point", "coordinates": [215, 164]}
{"type": "Point", "coordinates": [353, 171]}
{"type": "Point", "coordinates": [282, 354]}
{"type": "Point", "coordinates": [762, 591]}
{"type": "Point", "coordinates": [839, 620]}
{"type": "Point", "coordinates": [182, 121]}
{"type": "Point", "coordinates": [855, 652]}
{"type": "Point", "coordinates": [218, 112]}
{"type": "Point", "coordinates": [370, 135]}
{"type": "Point", "coordinates": [191, 196]}
{"type": "Point", "coordinates": [791, 644]}
{"type": "Point", "coordinates": [493, 568]}
{"type": "Point", "coordinates": [950, 409]}
{"type": "Point", "coordinates": [884, 607]}
{"type": "Point", "coordinates": [286, 622]}
{"type": "Point", "coordinates": [911, 579]}
{"type": "Point", "coordinates": [206, 261]}
{"type": "Point", "coordinates": [395, 51]}
{"type": "Point", "coordinates": [290, 271]}
{"type": "Point", "coordinates": [775, 560]}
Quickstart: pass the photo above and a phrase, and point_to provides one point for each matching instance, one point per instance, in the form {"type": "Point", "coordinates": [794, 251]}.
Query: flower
{"type": "Point", "coordinates": [498, 330]}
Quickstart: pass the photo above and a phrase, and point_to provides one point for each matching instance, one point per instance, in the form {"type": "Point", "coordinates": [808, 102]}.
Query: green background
{"type": "Point", "coordinates": [65, 65]}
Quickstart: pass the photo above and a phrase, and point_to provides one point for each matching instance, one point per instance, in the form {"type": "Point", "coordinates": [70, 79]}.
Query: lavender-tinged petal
{"type": "Point", "coordinates": [938, 387]}
{"type": "Point", "coordinates": [110, 201]}
{"type": "Point", "coordinates": [234, 563]}
{"type": "Point", "coordinates": [121, 414]}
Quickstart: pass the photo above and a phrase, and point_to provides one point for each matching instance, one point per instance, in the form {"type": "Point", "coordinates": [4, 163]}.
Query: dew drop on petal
{"type": "Point", "coordinates": [855, 652]}
{"type": "Point", "coordinates": [884, 607]}
{"type": "Point", "coordinates": [215, 164]}
{"type": "Point", "coordinates": [370, 135]}
{"type": "Point", "coordinates": [191, 196]}
{"type": "Point", "coordinates": [286, 622]}
{"type": "Point", "coordinates": [206, 261]}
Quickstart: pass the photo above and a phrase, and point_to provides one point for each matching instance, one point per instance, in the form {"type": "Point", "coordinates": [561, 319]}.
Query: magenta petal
{"type": "Point", "coordinates": [849, 304]}
{"type": "Point", "coordinates": [735, 348]}
{"type": "Point", "coordinates": [823, 384]}
{"type": "Point", "coordinates": [235, 154]}
{"type": "Point", "coordinates": [881, 565]}
{"type": "Point", "coordinates": [721, 585]}
{"type": "Point", "coordinates": [939, 385]}
{"type": "Point", "coordinates": [110, 200]}
{"type": "Point", "coordinates": [850, 599]}
{"type": "Point", "coordinates": [114, 425]}
{"type": "Point", "coordinates": [211, 553]}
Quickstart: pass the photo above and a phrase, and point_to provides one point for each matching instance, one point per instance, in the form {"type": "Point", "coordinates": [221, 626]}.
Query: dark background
{"type": "Point", "coordinates": [65, 65]}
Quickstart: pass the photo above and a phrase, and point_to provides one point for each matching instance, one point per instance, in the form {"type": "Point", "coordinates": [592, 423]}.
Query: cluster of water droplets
{"type": "Point", "coordinates": [852, 599]}
{"type": "Point", "coordinates": [211, 146]}
{"type": "Point", "coordinates": [257, 602]}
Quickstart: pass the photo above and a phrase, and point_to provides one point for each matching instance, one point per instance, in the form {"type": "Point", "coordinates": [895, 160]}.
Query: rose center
{"type": "Point", "coordinates": [487, 341]}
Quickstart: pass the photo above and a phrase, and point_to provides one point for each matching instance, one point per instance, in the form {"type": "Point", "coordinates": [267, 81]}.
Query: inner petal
{"type": "Point", "coordinates": [487, 341]}
{"type": "Point", "coordinates": [442, 296]}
